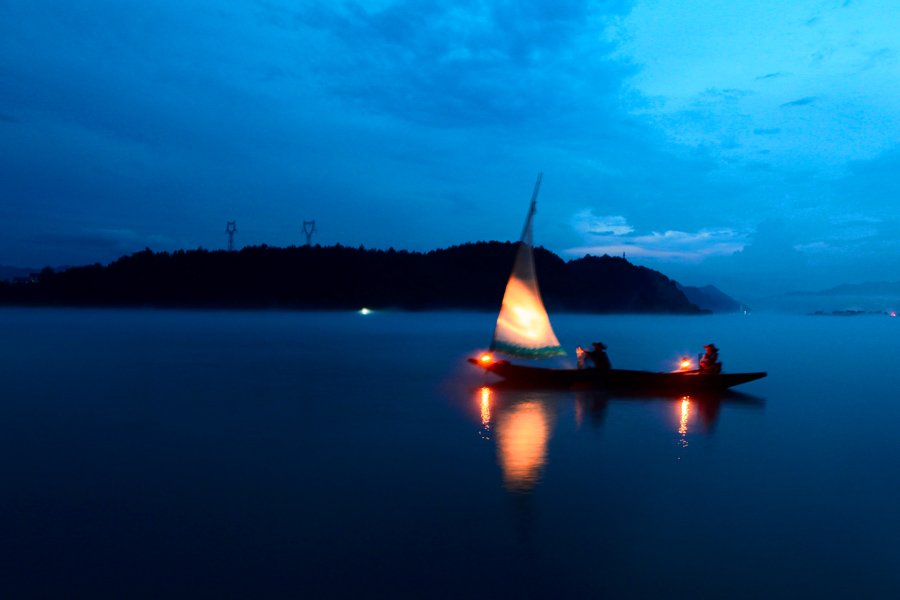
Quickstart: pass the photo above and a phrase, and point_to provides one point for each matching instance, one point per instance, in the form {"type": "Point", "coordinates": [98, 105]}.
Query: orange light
{"type": "Point", "coordinates": [685, 415]}
{"type": "Point", "coordinates": [486, 358]}
{"type": "Point", "coordinates": [523, 432]}
{"type": "Point", "coordinates": [486, 407]}
{"type": "Point", "coordinates": [686, 364]}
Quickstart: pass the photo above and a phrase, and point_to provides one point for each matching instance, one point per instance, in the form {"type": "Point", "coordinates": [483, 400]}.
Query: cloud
{"type": "Point", "coordinates": [586, 223]}
{"type": "Point", "coordinates": [108, 242]}
{"type": "Point", "coordinates": [467, 63]}
{"type": "Point", "coordinates": [609, 236]}
{"type": "Point", "coordinates": [814, 248]}
{"type": "Point", "coordinates": [800, 102]}
{"type": "Point", "coordinates": [851, 227]}
{"type": "Point", "coordinates": [771, 253]}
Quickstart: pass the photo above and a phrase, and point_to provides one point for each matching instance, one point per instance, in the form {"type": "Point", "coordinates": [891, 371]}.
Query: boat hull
{"type": "Point", "coordinates": [615, 379]}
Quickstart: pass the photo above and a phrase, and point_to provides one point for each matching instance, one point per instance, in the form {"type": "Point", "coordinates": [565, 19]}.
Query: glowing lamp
{"type": "Point", "coordinates": [486, 358]}
{"type": "Point", "coordinates": [685, 364]}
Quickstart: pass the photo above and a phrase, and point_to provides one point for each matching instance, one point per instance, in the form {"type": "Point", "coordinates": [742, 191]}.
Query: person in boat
{"type": "Point", "coordinates": [709, 363]}
{"type": "Point", "coordinates": [597, 356]}
{"type": "Point", "coordinates": [582, 356]}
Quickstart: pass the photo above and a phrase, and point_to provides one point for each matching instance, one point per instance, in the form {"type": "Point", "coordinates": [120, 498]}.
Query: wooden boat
{"type": "Point", "coordinates": [614, 379]}
{"type": "Point", "coordinates": [524, 331]}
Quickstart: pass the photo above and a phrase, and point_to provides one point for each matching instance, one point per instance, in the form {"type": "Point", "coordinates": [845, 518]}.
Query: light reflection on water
{"type": "Point", "coordinates": [685, 415]}
{"type": "Point", "coordinates": [522, 432]}
{"type": "Point", "coordinates": [523, 422]}
{"type": "Point", "coordinates": [486, 410]}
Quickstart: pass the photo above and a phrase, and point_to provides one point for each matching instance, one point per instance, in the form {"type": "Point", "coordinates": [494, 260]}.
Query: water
{"type": "Point", "coordinates": [150, 454]}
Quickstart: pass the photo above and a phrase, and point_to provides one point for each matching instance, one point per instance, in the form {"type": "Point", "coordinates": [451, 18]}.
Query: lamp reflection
{"type": "Point", "coordinates": [486, 409]}
{"type": "Point", "coordinates": [685, 415]}
{"type": "Point", "coordinates": [522, 435]}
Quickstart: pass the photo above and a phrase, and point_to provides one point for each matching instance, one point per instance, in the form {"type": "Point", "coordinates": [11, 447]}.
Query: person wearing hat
{"type": "Point", "coordinates": [709, 363]}
{"type": "Point", "coordinates": [598, 356]}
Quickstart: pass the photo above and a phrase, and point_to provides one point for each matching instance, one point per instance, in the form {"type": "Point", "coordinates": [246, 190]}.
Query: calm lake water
{"type": "Point", "coordinates": [169, 454]}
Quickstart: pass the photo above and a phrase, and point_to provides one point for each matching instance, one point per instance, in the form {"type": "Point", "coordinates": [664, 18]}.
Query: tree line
{"type": "Point", "coordinates": [470, 276]}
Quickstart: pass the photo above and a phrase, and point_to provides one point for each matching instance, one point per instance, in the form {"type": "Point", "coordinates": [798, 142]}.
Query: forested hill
{"type": "Point", "coordinates": [471, 276]}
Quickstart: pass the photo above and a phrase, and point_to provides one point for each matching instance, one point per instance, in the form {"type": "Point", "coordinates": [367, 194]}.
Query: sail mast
{"type": "Point", "coordinates": [526, 237]}
{"type": "Point", "coordinates": [523, 326]}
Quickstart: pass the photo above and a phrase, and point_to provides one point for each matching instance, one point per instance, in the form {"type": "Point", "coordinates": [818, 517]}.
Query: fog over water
{"type": "Point", "coordinates": [181, 454]}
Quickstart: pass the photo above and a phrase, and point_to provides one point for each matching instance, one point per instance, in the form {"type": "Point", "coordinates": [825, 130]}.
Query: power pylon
{"type": "Point", "coordinates": [230, 229]}
{"type": "Point", "coordinates": [309, 227]}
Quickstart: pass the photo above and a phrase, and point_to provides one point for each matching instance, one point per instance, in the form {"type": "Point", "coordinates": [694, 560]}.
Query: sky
{"type": "Point", "coordinates": [752, 145]}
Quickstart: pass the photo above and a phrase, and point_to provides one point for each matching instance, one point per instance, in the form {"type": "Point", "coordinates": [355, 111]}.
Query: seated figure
{"type": "Point", "coordinates": [709, 363]}
{"type": "Point", "coordinates": [597, 356]}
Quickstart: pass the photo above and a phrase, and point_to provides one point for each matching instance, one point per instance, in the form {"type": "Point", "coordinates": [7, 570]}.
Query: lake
{"type": "Point", "coordinates": [178, 454]}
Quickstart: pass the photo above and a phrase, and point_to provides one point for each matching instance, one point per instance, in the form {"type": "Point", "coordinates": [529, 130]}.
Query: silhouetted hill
{"type": "Point", "coordinates": [471, 276]}
{"type": "Point", "coordinates": [11, 273]}
{"type": "Point", "coordinates": [871, 288]}
{"type": "Point", "coordinates": [710, 298]}
{"type": "Point", "coordinates": [873, 296]}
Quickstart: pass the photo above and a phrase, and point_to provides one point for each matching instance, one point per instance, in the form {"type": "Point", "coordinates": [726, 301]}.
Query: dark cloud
{"type": "Point", "coordinates": [769, 263]}
{"type": "Point", "coordinates": [469, 63]}
{"type": "Point", "coordinates": [878, 58]}
{"type": "Point", "coordinates": [104, 244]}
{"type": "Point", "coordinates": [800, 102]}
{"type": "Point", "coordinates": [873, 184]}
{"type": "Point", "coordinates": [772, 244]}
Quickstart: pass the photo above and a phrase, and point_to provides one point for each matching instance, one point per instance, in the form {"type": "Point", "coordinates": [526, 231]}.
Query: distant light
{"type": "Point", "coordinates": [893, 314]}
{"type": "Point", "coordinates": [365, 311]}
{"type": "Point", "coordinates": [486, 358]}
{"type": "Point", "coordinates": [686, 364]}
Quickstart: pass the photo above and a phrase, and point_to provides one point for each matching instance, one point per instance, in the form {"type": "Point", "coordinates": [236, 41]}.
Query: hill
{"type": "Point", "coordinates": [470, 276]}
{"type": "Point", "coordinates": [871, 288]}
{"type": "Point", "coordinates": [710, 298]}
{"type": "Point", "coordinates": [873, 296]}
{"type": "Point", "coordinates": [12, 273]}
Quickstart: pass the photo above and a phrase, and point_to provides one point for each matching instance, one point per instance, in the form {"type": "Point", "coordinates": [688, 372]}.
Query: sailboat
{"type": "Point", "coordinates": [524, 331]}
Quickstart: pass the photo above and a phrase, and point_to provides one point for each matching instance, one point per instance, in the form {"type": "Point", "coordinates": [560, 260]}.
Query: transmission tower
{"type": "Point", "coordinates": [309, 228]}
{"type": "Point", "coordinates": [230, 229]}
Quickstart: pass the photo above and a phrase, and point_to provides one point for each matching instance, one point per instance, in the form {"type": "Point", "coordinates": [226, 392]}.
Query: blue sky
{"type": "Point", "coordinates": [730, 143]}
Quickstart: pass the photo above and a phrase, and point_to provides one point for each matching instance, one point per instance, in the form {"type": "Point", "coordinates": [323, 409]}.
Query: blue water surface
{"type": "Point", "coordinates": [178, 454]}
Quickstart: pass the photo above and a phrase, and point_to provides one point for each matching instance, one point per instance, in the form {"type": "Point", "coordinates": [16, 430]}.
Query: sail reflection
{"type": "Point", "coordinates": [522, 433]}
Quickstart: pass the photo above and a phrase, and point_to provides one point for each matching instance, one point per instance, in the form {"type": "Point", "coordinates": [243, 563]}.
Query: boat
{"type": "Point", "coordinates": [524, 331]}
{"type": "Point", "coordinates": [614, 379]}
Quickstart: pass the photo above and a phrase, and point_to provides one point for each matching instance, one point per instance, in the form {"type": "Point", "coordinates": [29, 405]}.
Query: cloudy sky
{"type": "Point", "coordinates": [725, 142]}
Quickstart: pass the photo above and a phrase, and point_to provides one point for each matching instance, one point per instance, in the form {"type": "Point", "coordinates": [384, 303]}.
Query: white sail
{"type": "Point", "coordinates": [523, 327]}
